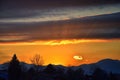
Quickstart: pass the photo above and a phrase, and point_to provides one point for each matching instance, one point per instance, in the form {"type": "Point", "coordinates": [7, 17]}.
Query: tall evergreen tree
{"type": "Point", "coordinates": [14, 69]}
{"type": "Point", "coordinates": [70, 74]}
{"type": "Point", "coordinates": [79, 74]}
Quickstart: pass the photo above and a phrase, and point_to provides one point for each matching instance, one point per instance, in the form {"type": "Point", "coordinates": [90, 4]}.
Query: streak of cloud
{"type": "Point", "coordinates": [58, 42]}
{"type": "Point", "coordinates": [28, 16]}
{"type": "Point", "coordinates": [95, 22]}
{"type": "Point", "coordinates": [95, 27]}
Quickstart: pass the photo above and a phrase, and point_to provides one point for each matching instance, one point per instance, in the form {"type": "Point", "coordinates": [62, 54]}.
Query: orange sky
{"type": "Point", "coordinates": [58, 33]}
{"type": "Point", "coordinates": [62, 52]}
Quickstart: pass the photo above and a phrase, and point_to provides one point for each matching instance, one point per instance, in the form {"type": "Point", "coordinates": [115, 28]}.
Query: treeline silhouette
{"type": "Point", "coordinates": [18, 72]}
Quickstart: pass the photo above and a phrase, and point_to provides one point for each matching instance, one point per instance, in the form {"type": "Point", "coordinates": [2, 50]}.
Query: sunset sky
{"type": "Point", "coordinates": [66, 32]}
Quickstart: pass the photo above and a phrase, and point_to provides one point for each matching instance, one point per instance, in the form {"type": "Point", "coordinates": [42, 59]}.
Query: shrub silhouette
{"type": "Point", "coordinates": [70, 74]}
{"type": "Point", "coordinates": [79, 74]}
{"type": "Point", "coordinates": [99, 74]}
{"type": "Point", "coordinates": [114, 76]}
{"type": "Point", "coordinates": [50, 69]}
{"type": "Point", "coordinates": [30, 74]}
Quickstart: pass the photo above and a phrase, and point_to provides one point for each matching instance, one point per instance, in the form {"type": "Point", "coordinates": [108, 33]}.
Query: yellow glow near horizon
{"type": "Point", "coordinates": [62, 51]}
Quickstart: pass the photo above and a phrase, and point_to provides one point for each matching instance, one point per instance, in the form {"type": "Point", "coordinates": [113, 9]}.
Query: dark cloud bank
{"type": "Point", "coordinates": [105, 26]}
{"type": "Point", "coordinates": [9, 4]}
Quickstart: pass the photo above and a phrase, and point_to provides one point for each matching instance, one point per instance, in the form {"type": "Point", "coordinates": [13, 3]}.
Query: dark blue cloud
{"type": "Point", "coordinates": [105, 26]}
{"type": "Point", "coordinates": [51, 3]}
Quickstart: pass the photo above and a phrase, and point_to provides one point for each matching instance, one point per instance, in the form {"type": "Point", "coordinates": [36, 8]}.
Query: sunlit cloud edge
{"type": "Point", "coordinates": [58, 42]}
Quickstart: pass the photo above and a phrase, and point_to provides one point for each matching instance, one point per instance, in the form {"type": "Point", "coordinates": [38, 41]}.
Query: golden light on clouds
{"type": "Point", "coordinates": [56, 42]}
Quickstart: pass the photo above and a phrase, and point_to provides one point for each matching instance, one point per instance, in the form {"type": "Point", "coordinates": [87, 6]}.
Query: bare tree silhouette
{"type": "Point", "coordinates": [37, 60]}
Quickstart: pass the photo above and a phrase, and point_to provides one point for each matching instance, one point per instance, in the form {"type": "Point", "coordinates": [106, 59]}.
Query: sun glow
{"type": "Point", "coordinates": [78, 57]}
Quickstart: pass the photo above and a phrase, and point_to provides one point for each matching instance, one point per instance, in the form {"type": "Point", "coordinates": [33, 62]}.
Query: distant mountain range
{"type": "Point", "coordinates": [107, 65]}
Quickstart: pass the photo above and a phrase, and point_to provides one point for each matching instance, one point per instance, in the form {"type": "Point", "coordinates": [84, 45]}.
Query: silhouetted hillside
{"type": "Point", "coordinates": [106, 69]}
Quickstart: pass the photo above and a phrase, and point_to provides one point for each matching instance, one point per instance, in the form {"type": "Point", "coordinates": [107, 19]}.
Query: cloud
{"type": "Point", "coordinates": [58, 42]}
{"type": "Point", "coordinates": [53, 3]}
{"type": "Point", "coordinates": [105, 26]}
{"type": "Point", "coordinates": [25, 16]}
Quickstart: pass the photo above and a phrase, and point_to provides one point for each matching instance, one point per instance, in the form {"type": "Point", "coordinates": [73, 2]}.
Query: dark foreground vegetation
{"type": "Point", "coordinates": [16, 71]}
